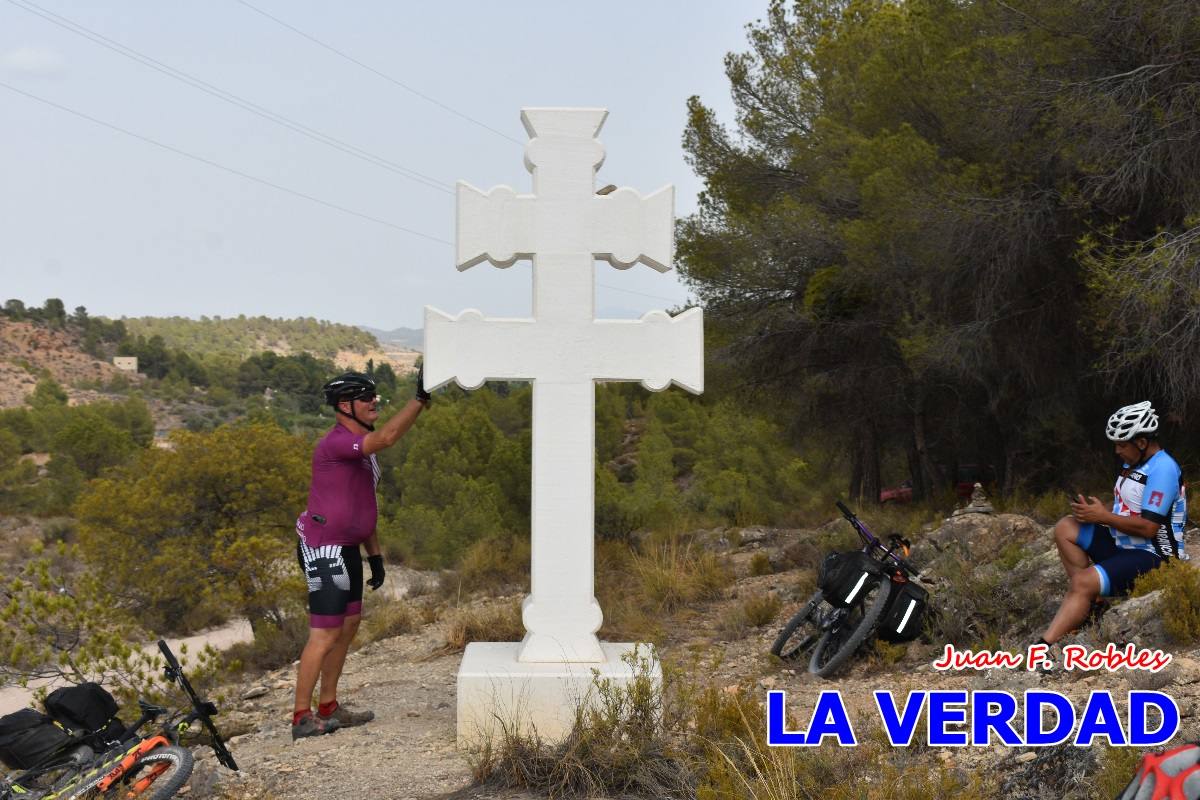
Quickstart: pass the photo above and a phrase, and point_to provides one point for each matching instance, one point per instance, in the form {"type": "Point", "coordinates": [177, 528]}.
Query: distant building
{"type": "Point", "coordinates": [125, 363]}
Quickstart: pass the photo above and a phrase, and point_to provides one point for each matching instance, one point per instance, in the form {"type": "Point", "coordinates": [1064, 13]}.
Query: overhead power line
{"type": "Point", "coordinates": [383, 75]}
{"type": "Point", "coordinates": [231, 98]}
{"type": "Point", "coordinates": [265, 182]}
{"type": "Point", "coordinates": [222, 167]}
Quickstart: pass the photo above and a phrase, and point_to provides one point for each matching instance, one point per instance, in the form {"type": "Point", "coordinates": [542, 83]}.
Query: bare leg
{"type": "Point", "coordinates": [1073, 558]}
{"type": "Point", "coordinates": [320, 642]}
{"type": "Point", "coordinates": [335, 659]}
{"type": "Point", "coordinates": [1085, 587]}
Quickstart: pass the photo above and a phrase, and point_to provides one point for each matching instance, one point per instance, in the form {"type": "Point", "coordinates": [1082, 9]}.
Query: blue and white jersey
{"type": "Point", "coordinates": [1153, 490]}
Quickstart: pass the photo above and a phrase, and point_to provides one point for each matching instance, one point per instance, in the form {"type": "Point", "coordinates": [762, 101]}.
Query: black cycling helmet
{"type": "Point", "coordinates": [350, 386]}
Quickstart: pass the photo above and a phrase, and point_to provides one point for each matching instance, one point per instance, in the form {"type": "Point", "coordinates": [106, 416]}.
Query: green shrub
{"type": "Point", "coordinates": [978, 605]}
{"type": "Point", "coordinates": [1116, 766]}
{"type": "Point", "coordinates": [1180, 603]}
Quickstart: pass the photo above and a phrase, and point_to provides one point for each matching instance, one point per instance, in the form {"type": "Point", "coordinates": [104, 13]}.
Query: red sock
{"type": "Point", "coordinates": [299, 715]}
{"type": "Point", "coordinates": [327, 709]}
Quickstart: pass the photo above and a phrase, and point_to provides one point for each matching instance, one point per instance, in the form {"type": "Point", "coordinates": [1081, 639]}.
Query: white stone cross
{"type": "Point", "coordinates": [564, 226]}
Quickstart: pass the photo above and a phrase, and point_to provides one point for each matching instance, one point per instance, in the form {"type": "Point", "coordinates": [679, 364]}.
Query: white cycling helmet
{"type": "Point", "coordinates": [1133, 421]}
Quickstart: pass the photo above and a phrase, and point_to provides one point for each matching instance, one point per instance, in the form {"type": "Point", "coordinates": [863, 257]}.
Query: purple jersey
{"type": "Point", "coordinates": [341, 500]}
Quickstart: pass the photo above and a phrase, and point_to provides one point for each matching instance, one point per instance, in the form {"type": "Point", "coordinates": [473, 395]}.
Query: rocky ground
{"type": "Point", "coordinates": [409, 751]}
{"type": "Point", "coordinates": [27, 349]}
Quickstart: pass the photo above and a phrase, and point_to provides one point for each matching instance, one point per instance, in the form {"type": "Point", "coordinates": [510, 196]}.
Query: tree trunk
{"type": "Point", "coordinates": [864, 476]}
{"type": "Point", "coordinates": [932, 478]}
{"type": "Point", "coordinates": [916, 475]}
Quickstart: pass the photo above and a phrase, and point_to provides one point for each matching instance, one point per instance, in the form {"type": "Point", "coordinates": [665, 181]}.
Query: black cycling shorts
{"type": "Point", "coordinates": [335, 582]}
{"type": "Point", "coordinates": [1119, 567]}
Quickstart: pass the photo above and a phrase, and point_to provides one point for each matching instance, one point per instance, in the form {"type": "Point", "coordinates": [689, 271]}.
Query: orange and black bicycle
{"type": "Point", "coordinates": [147, 767]}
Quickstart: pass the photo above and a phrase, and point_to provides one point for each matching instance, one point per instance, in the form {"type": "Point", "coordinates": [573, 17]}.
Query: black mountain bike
{"type": "Point", "coordinates": [832, 627]}
{"type": "Point", "coordinates": [152, 766]}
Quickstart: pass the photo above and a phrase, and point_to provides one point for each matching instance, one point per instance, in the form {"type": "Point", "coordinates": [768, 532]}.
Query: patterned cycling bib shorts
{"type": "Point", "coordinates": [1118, 567]}
{"type": "Point", "coordinates": [335, 582]}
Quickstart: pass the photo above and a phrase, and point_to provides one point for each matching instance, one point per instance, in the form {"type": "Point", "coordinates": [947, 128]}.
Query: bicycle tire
{"type": "Point", "coordinates": [844, 639]}
{"type": "Point", "coordinates": [805, 615]}
{"type": "Point", "coordinates": [168, 783]}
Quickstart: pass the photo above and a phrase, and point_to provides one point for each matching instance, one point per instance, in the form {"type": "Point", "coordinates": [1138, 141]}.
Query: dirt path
{"type": "Point", "coordinates": [407, 752]}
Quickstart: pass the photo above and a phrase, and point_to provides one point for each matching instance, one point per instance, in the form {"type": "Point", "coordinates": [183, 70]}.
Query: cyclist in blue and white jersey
{"type": "Point", "coordinates": [1104, 551]}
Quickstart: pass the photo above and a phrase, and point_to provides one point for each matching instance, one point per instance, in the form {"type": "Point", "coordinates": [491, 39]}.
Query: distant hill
{"type": "Point", "coordinates": [29, 350]}
{"type": "Point", "coordinates": [244, 336]}
{"type": "Point", "coordinates": [406, 338]}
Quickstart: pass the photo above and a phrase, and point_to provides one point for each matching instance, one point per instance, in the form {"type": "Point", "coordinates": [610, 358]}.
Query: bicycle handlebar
{"type": "Point", "coordinates": [853, 519]}
{"type": "Point", "coordinates": [203, 708]}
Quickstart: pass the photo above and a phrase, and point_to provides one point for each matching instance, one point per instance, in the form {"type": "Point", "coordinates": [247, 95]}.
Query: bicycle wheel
{"type": "Point", "coordinates": [840, 642]}
{"type": "Point", "coordinates": [157, 775]}
{"type": "Point", "coordinates": [801, 630]}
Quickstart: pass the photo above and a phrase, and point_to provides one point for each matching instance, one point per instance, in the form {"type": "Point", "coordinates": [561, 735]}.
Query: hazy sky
{"type": "Point", "coordinates": [127, 228]}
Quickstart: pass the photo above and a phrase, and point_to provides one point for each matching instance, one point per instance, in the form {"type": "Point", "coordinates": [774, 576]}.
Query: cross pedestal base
{"type": "Point", "coordinates": [494, 687]}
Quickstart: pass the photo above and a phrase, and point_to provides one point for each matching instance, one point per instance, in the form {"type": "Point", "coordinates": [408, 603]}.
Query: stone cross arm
{"type": "Point", "coordinates": [622, 228]}
{"type": "Point", "coordinates": [657, 350]}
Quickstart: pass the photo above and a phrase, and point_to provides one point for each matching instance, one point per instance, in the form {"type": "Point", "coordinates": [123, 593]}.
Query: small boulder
{"type": "Point", "coordinates": [1136, 620]}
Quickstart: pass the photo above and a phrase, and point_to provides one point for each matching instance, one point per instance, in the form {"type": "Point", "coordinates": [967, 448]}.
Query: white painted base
{"type": "Point", "coordinates": [496, 691]}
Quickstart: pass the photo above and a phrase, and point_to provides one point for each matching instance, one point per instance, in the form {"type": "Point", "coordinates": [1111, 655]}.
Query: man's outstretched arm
{"type": "Point", "coordinates": [393, 429]}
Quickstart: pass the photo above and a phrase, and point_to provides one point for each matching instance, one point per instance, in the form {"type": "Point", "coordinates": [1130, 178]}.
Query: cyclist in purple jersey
{"type": "Point", "coordinates": [341, 516]}
{"type": "Point", "coordinates": [1104, 551]}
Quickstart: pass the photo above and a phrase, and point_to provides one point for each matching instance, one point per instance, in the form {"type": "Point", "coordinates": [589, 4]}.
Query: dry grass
{"type": "Point", "coordinates": [387, 619]}
{"type": "Point", "coordinates": [495, 564]}
{"type": "Point", "coordinates": [675, 573]}
{"type": "Point", "coordinates": [492, 624]}
{"type": "Point", "coordinates": [760, 564]}
{"type": "Point", "coordinates": [761, 609]}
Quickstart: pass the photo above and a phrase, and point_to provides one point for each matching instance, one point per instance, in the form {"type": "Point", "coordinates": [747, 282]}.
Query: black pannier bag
{"type": "Point", "coordinates": [29, 738]}
{"type": "Point", "coordinates": [846, 577]}
{"type": "Point", "coordinates": [89, 708]}
{"type": "Point", "coordinates": [904, 617]}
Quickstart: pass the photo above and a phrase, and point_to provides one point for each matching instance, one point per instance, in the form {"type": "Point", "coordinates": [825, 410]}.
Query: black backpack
{"type": "Point", "coordinates": [87, 709]}
{"type": "Point", "coordinates": [846, 577]}
{"type": "Point", "coordinates": [29, 738]}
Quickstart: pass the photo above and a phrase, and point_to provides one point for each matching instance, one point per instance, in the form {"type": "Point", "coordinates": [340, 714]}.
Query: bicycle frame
{"type": "Point", "coordinates": [131, 757]}
{"type": "Point", "coordinates": [871, 543]}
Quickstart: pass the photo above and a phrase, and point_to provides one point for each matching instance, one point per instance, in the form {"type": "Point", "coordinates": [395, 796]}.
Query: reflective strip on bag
{"type": "Point", "coordinates": [912, 605]}
{"type": "Point", "coordinates": [861, 580]}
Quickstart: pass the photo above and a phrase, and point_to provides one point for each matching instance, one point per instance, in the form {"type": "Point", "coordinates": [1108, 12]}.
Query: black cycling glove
{"type": "Point", "coordinates": [377, 573]}
{"type": "Point", "coordinates": [422, 395]}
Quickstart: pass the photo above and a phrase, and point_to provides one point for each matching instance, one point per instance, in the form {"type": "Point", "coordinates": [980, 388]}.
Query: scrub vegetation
{"type": "Point", "coordinates": [690, 740]}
